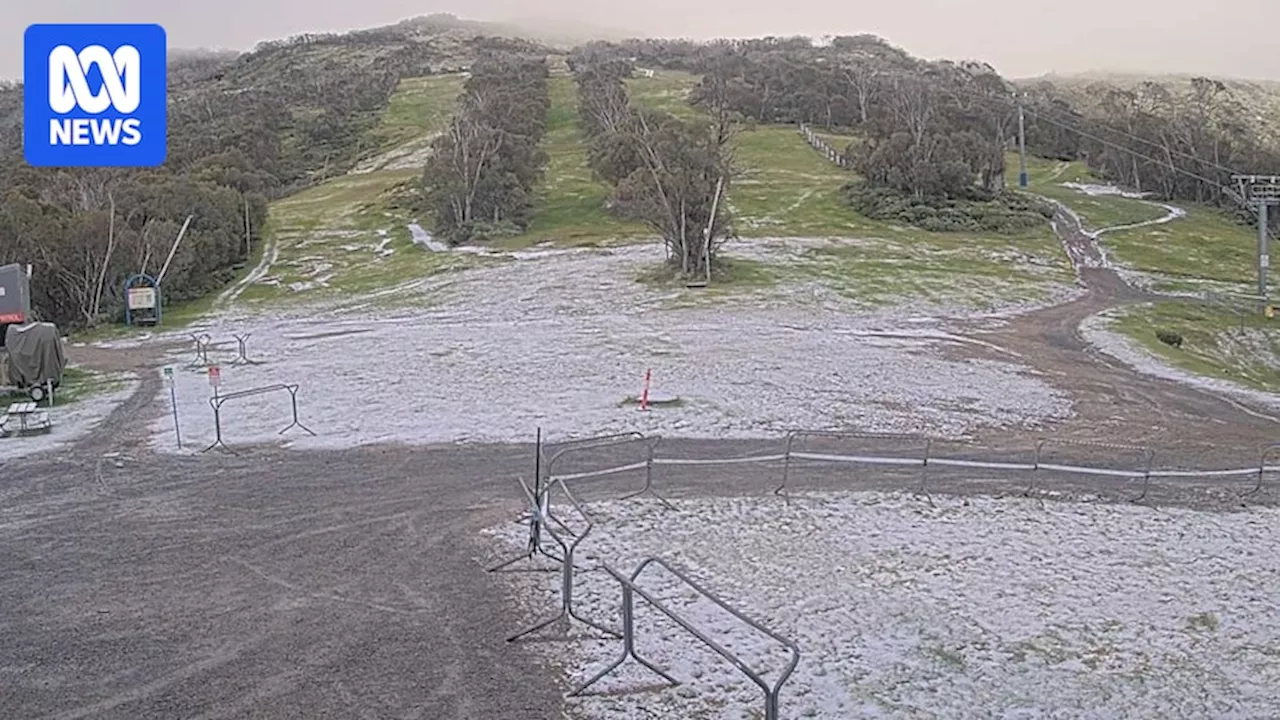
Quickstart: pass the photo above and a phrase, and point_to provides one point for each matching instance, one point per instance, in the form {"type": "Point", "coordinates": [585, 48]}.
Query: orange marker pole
{"type": "Point", "coordinates": [644, 396]}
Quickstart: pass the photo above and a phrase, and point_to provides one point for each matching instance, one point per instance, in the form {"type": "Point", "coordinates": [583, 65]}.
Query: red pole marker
{"type": "Point", "coordinates": [644, 396]}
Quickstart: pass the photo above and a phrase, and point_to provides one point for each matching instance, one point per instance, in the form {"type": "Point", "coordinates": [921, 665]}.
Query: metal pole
{"type": "Point", "coordinates": [535, 540]}
{"type": "Point", "coordinates": [217, 422]}
{"type": "Point", "coordinates": [1264, 250]}
{"type": "Point", "coordinates": [173, 400]}
{"type": "Point", "coordinates": [1022, 147]}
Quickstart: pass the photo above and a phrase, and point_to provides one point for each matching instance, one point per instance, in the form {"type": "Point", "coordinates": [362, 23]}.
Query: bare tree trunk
{"type": "Point", "coordinates": [96, 306]}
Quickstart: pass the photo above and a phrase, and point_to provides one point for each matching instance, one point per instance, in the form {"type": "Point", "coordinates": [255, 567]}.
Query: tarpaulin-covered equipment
{"type": "Point", "coordinates": [36, 360]}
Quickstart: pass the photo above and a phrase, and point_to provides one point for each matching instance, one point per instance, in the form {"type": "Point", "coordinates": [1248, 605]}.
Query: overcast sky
{"type": "Point", "coordinates": [1019, 37]}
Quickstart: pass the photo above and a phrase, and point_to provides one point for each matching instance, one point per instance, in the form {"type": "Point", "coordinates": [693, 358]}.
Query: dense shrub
{"type": "Point", "coordinates": [981, 212]}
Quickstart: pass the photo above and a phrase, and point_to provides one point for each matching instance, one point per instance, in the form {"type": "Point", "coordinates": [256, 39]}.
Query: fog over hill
{"type": "Point", "coordinates": [1019, 38]}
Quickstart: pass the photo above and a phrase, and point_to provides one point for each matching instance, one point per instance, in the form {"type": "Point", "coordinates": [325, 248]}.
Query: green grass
{"type": "Point", "coordinates": [570, 206]}
{"type": "Point", "coordinates": [1045, 177]}
{"type": "Point", "coordinates": [77, 384]}
{"type": "Point", "coordinates": [345, 235]}
{"type": "Point", "coordinates": [419, 108]}
{"type": "Point", "coordinates": [787, 189]}
{"type": "Point", "coordinates": [1206, 244]}
{"type": "Point", "coordinates": [731, 274]}
{"type": "Point", "coordinates": [667, 90]}
{"type": "Point", "coordinates": [1233, 344]}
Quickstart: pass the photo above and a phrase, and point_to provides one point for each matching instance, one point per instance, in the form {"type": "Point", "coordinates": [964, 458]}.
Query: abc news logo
{"type": "Point", "coordinates": [69, 90]}
{"type": "Point", "coordinates": [95, 95]}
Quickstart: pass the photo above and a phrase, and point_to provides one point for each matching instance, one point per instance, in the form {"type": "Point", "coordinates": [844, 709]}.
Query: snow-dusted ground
{"type": "Point", "coordinates": [977, 608]}
{"type": "Point", "coordinates": [561, 341]}
{"type": "Point", "coordinates": [70, 422]}
{"type": "Point", "coordinates": [1095, 331]}
{"type": "Point", "coordinates": [1097, 256]}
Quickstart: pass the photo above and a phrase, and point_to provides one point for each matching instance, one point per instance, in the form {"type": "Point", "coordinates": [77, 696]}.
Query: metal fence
{"type": "Point", "coordinates": [543, 524]}
{"type": "Point", "coordinates": [914, 453]}
{"type": "Point", "coordinates": [630, 590]}
{"type": "Point", "coordinates": [1137, 464]}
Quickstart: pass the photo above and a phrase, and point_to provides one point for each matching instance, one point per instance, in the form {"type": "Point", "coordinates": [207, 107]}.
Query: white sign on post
{"type": "Point", "coordinates": [142, 298]}
{"type": "Point", "coordinates": [215, 376]}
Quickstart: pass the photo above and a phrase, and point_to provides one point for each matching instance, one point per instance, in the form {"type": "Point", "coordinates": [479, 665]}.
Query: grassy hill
{"type": "Point", "coordinates": [346, 235]}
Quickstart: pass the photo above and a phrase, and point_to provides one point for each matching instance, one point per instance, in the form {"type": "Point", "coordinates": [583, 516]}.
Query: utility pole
{"type": "Point", "coordinates": [1022, 147]}
{"type": "Point", "coordinates": [1261, 192]}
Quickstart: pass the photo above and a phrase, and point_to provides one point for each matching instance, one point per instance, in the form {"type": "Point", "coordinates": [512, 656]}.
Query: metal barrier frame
{"type": "Point", "coordinates": [566, 613]}
{"type": "Point", "coordinates": [1263, 468]}
{"type": "Point", "coordinates": [537, 516]}
{"type": "Point", "coordinates": [203, 342]}
{"type": "Point", "coordinates": [217, 401]}
{"type": "Point", "coordinates": [1148, 461]}
{"type": "Point", "coordinates": [790, 453]}
{"type": "Point", "coordinates": [242, 356]}
{"type": "Point", "coordinates": [630, 589]}
{"type": "Point", "coordinates": [650, 443]}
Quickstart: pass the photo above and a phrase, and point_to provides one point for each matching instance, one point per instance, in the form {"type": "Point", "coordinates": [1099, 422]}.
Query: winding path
{"type": "Point", "coordinates": [1113, 401]}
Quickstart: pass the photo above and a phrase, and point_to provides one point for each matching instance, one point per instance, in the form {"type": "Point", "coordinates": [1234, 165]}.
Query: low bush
{"type": "Point", "coordinates": [1169, 338]}
{"type": "Point", "coordinates": [1005, 213]}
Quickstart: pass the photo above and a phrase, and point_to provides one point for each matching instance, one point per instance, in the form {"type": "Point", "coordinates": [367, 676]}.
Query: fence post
{"type": "Point", "coordinates": [924, 471]}
{"type": "Point", "coordinates": [1034, 470]}
{"type": "Point", "coordinates": [1146, 476]}
{"type": "Point", "coordinates": [786, 468]}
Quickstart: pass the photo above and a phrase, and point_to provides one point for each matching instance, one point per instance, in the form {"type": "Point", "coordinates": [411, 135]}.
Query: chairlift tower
{"type": "Point", "coordinates": [1261, 192]}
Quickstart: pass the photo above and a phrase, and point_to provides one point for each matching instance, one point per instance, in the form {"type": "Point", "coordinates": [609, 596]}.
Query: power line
{"type": "Point", "coordinates": [1044, 115]}
{"type": "Point", "coordinates": [1105, 142]}
{"type": "Point", "coordinates": [1131, 151]}
{"type": "Point", "coordinates": [1161, 146]}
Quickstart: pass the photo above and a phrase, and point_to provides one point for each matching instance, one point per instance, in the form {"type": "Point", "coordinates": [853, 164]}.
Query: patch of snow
{"type": "Point", "coordinates": [561, 340]}
{"type": "Point", "coordinates": [411, 155]}
{"type": "Point", "coordinates": [70, 422]}
{"type": "Point", "coordinates": [422, 237]}
{"type": "Point", "coordinates": [975, 608]}
{"type": "Point", "coordinates": [382, 250]}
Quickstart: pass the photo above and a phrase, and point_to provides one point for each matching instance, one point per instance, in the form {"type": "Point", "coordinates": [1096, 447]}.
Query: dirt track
{"type": "Point", "coordinates": [349, 584]}
{"type": "Point", "coordinates": [1114, 403]}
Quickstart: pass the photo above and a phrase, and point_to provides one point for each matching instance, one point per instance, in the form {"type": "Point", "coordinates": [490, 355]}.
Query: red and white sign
{"type": "Point", "coordinates": [215, 376]}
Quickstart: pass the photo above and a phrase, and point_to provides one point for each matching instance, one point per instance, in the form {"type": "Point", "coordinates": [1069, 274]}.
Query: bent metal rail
{"type": "Point", "coordinates": [217, 401]}
{"type": "Point", "coordinates": [630, 589]}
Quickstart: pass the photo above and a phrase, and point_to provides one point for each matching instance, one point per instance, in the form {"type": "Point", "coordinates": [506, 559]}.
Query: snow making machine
{"type": "Point", "coordinates": [15, 306]}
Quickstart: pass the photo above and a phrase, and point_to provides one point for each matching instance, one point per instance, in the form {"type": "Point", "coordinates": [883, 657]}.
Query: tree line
{"type": "Point", "coordinates": [669, 173]}
{"type": "Point", "coordinates": [479, 180]}
{"type": "Point", "coordinates": [937, 132]}
{"type": "Point", "coordinates": [242, 130]}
